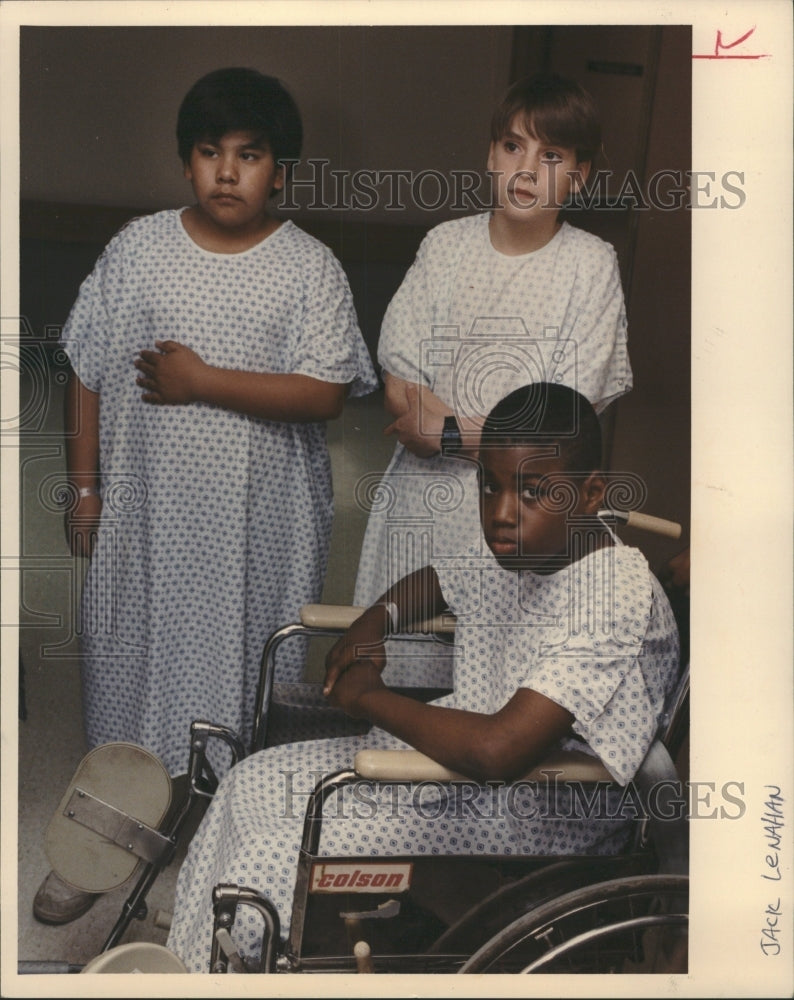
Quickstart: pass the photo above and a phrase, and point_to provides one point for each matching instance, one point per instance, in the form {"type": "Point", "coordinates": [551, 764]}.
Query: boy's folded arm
{"type": "Point", "coordinates": [363, 642]}
{"type": "Point", "coordinates": [414, 599]}
{"type": "Point", "coordinates": [419, 418]}
{"type": "Point", "coordinates": [271, 396]}
{"type": "Point", "coordinates": [395, 394]}
{"type": "Point", "coordinates": [174, 374]}
{"type": "Point", "coordinates": [503, 746]}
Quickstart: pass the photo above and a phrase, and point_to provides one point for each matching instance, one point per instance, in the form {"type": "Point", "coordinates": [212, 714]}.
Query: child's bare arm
{"type": "Point", "coordinates": [395, 396]}
{"type": "Point", "coordinates": [417, 597]}
{"type": "Point", "coordinates": [82, 465]}
{"type": "Point", "coordinates": [419, 418]}
{"type": "Point", "coordinates": [174, 374]}
{"type": "Point", "coordinates": [502, 746]}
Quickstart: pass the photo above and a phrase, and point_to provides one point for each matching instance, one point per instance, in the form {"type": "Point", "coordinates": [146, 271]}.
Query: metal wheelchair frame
{"type": "Point", "coordinates": [660, 849]}
{"type": "Point", "coordinates": [656, 867]}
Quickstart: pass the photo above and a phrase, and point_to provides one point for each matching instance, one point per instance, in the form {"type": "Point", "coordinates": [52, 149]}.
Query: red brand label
{"type": "Point", "coordinates": [387, 877]}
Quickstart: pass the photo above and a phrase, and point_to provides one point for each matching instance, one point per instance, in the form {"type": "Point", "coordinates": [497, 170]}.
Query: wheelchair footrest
{"type": "Point", "coordinates": [118, 796]}
{"type": "Point", "coordinates": [119, 827]}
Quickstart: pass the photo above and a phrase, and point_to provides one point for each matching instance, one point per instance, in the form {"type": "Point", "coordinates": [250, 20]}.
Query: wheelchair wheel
{"type": "Point", "coordinates": [637, 924]}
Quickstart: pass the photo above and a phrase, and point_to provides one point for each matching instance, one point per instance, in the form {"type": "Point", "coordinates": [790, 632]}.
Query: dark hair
{"type": "Point", "coordinates": [240, 100]}
{"type": "Point", "coordinates": [547, 413]}
{"type": "Point", "coordinates": [555, 110]}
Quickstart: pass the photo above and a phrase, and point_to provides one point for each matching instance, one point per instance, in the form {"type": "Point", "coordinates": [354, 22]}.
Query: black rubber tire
{"type": "Point", "coordinates": [571, 933]}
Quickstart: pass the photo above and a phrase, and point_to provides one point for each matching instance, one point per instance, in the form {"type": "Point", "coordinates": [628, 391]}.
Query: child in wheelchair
{"type": "Point", "coordinates": [563, 638]}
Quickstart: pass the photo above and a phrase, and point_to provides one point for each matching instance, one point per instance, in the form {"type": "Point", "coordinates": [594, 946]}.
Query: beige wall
{"type": "Point", "coordinates": [653, 428]}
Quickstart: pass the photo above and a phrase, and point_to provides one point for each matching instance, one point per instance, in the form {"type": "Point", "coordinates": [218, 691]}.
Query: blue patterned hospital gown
{"type": "Point", "coordinates": [473, 324]}
{"type": "Point", "coordinates": [215, 525]}
{"type": "Point", "coordinates": [598, 638]}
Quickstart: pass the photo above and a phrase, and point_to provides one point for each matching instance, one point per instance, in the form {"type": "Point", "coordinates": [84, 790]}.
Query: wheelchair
{"type": "Point", "coordinates": [623, 913]}
{"type": "Point", "coordinates": [612, 913]}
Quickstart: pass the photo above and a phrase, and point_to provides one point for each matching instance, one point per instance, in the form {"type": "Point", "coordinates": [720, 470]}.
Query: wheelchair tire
{"type": "Point", "coordinates": [635, 925]}
{"type": "Point", "coordinates": [514, 899]}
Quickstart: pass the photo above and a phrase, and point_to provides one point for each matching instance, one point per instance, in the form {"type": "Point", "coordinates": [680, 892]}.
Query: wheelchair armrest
{"type": "Point", "coordinates": [410, 765]}
{"type": "Point", "coordinates": [339, 616]}
{"type": "Point", "coordinates": [342, 616]}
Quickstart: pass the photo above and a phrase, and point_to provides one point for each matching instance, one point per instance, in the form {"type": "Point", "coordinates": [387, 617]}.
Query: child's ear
{"type": "Point", "coordinates": [188, 173]}
{"type": "Point", "coordinates": [278, 180]}
{"type": "Point", "coordinates": [580, 175]}
{"type": "Point", "coordinates": [593, 490]}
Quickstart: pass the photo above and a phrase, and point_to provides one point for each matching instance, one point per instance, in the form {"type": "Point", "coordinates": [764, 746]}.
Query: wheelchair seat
{"type": "Point", "coordinates": [504, 889]}
{"type": "Point", "coordinates": [404, 923]}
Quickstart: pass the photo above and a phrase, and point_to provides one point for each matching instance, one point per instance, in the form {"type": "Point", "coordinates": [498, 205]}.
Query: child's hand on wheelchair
{"type": "Point", "coordinates": [362, 643]}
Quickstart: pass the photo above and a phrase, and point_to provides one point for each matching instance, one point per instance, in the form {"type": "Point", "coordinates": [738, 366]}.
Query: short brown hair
{"type": "Point", "coordinates": [556, 110]}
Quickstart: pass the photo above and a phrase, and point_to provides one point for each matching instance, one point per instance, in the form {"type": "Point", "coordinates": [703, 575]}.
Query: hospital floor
{"type": "Point", "coordinates": [50, 736]}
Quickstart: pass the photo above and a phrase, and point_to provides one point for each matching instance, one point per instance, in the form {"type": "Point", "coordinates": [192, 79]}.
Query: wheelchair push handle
{"type": "Point", "coordinates": [644, 522]}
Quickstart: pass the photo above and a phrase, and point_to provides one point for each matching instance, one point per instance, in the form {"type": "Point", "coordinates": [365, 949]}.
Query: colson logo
{"type": "Point", "coordinates": [361, 878]}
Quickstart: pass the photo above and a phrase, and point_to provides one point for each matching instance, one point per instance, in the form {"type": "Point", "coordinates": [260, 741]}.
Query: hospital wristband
{"type": "Point", "coordinates": [88, 491]}
{"type": "Point", "coordinates": [393, 612]}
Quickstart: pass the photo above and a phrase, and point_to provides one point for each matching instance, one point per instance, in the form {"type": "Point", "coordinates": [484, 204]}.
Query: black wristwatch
{"type": "Point", "coordinates": [451, 441]}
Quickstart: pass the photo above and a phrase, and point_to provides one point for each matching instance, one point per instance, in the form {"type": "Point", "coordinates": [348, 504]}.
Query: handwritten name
{"type": "Point", "coordinates": [772, 820]}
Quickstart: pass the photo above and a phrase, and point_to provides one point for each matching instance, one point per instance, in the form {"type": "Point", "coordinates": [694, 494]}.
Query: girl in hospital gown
{"type": "Point", "coordinates": [472, 324]}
